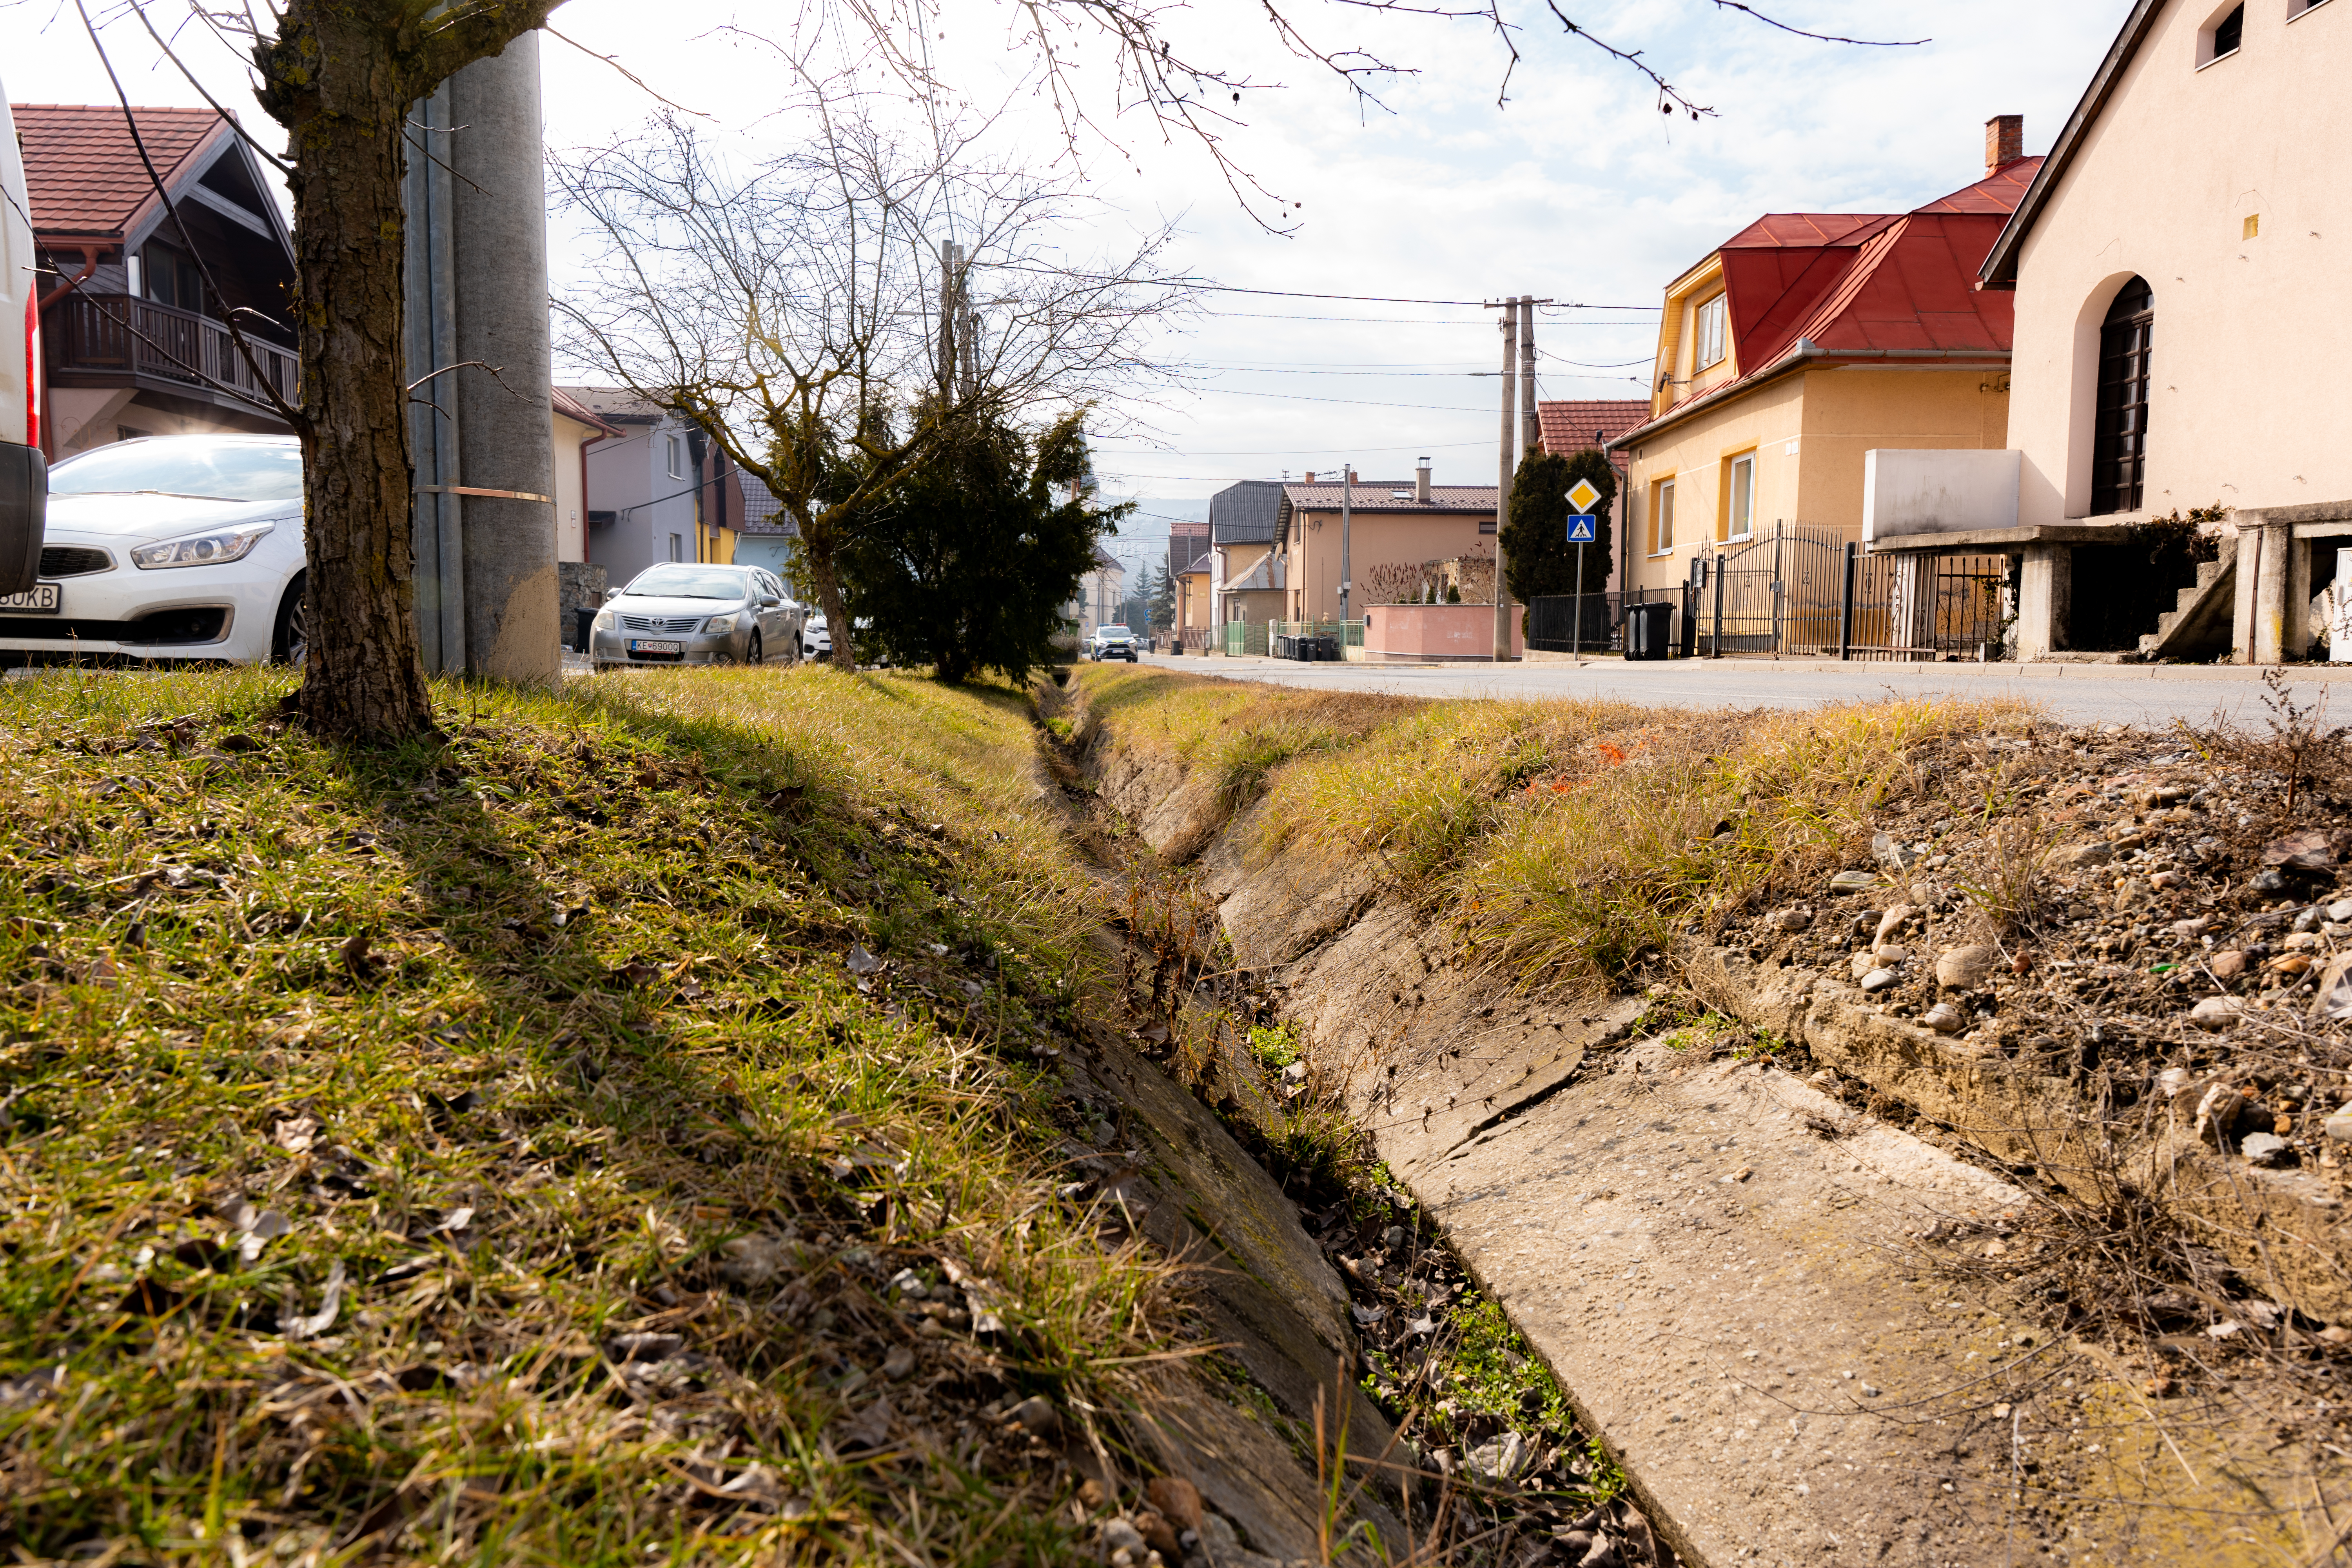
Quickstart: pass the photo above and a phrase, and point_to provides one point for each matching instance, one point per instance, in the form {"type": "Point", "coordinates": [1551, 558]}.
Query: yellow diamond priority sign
{"type": "Point", "coordinates": [1582, 497]}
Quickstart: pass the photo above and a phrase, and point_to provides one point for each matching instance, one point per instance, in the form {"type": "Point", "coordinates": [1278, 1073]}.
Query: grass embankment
{"type": "Point", "coordinates": [1559, 840]}
{"type": "Point", "coordinates": [509, 1151]}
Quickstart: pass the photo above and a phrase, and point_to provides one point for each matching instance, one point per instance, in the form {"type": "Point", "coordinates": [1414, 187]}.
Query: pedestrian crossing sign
{"type": "Point", "coordinates": [1579, 529]}
{"type": "Point", "coordinates": [1582, 497]}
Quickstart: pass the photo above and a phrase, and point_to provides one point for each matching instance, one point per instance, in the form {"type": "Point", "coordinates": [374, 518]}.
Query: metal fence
{"type": "Point", "coordinates": [1805, 592]}
{"type": "Point", "coordinates": [1244, 638]}
{"type": "Point", "coordinates": [1552, 619]}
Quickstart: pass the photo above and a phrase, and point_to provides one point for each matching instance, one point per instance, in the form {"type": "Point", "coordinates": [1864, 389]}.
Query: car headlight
{"type": "Point", "coordinates": [718, 624]}
{"type": "Point", "coordinates": [605, 621]}
{"type": "Point", "coordinates": [212, 549]}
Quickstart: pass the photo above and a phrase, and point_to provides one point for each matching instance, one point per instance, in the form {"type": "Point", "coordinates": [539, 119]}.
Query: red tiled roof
{"type": "Point", "coordinates": [1998, 192]}
{"type": "Point", "coordinates": [1869, 283]}
{"type": "Point", "coordinates": [1568, 424]}
{"type": "Point", "coordinates": [82, 170]}
{"type": "Point", "coordinates": [1379, 495]}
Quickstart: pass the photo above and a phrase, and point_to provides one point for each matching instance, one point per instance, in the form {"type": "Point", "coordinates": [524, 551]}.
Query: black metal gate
{"type": "Point", "coordinates": [1803, 591]}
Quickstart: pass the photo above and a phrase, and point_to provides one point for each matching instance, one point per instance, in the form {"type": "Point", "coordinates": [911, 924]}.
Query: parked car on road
{"type": "Point", "coordinates": [1111, 642]}
{"type": "Point", "coordinates": [682, 613]}
{"type": "Point", "coordinates": [816, 636]}
{"type": "Point", "coordinates": [168, 547]}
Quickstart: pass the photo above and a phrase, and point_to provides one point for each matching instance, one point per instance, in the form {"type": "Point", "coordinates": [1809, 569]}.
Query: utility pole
{"type": "Point", "coordinates": [1507, 466]}
{"type": "Point", "coordinates": [951, 301]}
{"type": "Point", "coordinates": [1347, 502]}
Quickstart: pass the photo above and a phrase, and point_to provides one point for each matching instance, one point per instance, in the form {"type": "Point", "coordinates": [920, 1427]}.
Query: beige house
{"type": "Point", "coordinates": [2171, 265]}
{"type": "Point", "coordinates": [1388, 523]}
{"type": "Point", "coordinates": [1804, 341]}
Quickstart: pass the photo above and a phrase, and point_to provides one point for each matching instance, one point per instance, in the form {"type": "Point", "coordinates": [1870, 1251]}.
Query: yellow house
{"type": "Point", "coordinates": [1806, 340]}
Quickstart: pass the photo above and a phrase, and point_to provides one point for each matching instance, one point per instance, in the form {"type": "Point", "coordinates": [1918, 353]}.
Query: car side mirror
{"type": "Point", "coordinates": [770, 603]}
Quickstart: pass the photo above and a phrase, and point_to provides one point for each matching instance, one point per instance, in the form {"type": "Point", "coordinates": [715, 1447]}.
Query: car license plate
{"type": "Point", "coordinates": [40, 599]}
{"type": "Point", "coordinates": [639, 645]}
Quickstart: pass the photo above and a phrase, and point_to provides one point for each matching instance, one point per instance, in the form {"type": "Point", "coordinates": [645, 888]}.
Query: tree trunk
{"type": "Point", "coordinates": [816, 548]}
{"type": "Point", "coordinates": [362, 678]}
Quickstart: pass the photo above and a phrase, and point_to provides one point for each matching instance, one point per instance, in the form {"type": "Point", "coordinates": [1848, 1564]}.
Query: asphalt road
{"type": "Point", "coordinates": [2151, 695]}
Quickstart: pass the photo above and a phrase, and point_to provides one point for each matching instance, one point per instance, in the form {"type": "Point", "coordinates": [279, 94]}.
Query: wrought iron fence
{"type": "Point", "coordinates": [1802, 590]}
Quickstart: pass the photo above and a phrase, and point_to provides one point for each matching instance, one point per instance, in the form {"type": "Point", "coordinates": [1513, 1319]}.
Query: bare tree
{"type": "Point", "coordinates": [806, 309]}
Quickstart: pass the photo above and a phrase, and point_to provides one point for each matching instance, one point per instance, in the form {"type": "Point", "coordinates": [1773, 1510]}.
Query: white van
{"type": "Point", "coordinates": [23, 475]}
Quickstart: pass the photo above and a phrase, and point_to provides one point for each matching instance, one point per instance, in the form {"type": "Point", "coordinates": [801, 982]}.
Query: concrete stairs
{"type": "Point", "coordinates": [2200, 627]}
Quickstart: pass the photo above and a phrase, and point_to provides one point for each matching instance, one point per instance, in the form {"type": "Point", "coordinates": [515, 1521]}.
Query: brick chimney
{"type": "Point", "coordinates": [1420, 480]}
{"type": "Point", "coordinates": [1310, 476]}
{"type": "Point", "coordinates": [2004, 142]}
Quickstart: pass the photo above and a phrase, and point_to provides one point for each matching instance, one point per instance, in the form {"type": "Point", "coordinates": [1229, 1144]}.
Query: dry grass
{"type": "Point", "coordinates": [352, 1107]}
{"type": "Point", "coordinates": [1560, 841]}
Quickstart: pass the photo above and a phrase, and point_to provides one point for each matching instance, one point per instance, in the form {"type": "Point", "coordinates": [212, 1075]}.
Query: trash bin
{"type": "Point", "coordinates": [583, 620]}
{"type": "Point", "coordinates": [1649, 630]}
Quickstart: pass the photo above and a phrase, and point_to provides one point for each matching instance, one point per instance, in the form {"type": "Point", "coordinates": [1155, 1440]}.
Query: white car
{"type": "Point", "coordinates": [816, 636]}
{"type": "Point", "coordinates": [168, 547]}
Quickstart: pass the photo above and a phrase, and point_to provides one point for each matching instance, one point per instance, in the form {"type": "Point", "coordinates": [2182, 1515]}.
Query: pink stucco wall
{"type": "Point", "coordinates": [1436, 631]}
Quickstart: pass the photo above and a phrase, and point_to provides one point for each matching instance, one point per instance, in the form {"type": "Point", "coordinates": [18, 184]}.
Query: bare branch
{"type": "Point", "coordinates": [1822, 38]}
{"type": "Point", "coordinates": [272, 159]}
{"type": "Point", "coordinates": [277, 405]}
{"type": "Point", "coordinates": [640, 82]}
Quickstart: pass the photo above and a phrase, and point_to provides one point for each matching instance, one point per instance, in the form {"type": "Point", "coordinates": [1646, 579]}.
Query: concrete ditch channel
{"type": "Point", "coordinates": [1728, 1269]}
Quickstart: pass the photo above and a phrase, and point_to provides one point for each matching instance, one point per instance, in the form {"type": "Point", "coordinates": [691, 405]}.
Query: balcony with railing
{"type": "Point", "coordinates": [107, 339]}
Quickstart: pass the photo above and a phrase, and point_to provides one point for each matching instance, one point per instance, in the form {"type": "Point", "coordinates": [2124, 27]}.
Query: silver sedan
{"type": "Point", "coordinates": [680, 613]}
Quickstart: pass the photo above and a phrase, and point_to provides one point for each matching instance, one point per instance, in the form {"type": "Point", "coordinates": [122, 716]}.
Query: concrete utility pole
{"type": "Point", "coordinates": [484, 524]}
{"type": "Point", "coordinates": [1510, 324]}
{"type": "Point", "coordinates": [1347, 503]}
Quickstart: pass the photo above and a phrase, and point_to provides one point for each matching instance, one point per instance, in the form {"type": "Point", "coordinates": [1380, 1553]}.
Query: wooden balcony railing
{"type": "Point", "coordinates": [128, 336]}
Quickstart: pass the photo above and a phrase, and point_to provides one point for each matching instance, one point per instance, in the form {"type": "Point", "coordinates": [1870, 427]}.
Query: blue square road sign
{"type": "Point", "coordinates": [1579, 528]}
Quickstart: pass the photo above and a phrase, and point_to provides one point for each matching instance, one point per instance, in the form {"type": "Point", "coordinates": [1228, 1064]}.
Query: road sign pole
{"type": "Point", "coordinates": [1576, 637]}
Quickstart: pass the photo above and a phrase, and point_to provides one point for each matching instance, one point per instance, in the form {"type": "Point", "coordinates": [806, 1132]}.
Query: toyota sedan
{"type": "Point", "coordinates": [680, 613]}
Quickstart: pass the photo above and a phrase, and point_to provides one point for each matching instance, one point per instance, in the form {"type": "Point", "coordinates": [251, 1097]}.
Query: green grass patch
{"type": "Point", "coordinates": [529, 1150]}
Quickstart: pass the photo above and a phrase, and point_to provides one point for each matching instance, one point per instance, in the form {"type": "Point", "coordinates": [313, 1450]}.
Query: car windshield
{"type": "Point", "coordinates": [194, 465]}
{"type": "Point", "coordinates": [1113, 632]}
{"type": "Point", "coordinates": [678, 581]}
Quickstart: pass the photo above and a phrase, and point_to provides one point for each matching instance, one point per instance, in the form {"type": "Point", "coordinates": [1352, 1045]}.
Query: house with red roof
{"type": "Point", "coordinates": [138, 284]}
{"type": "Point", "coordinates": [1805, 341]}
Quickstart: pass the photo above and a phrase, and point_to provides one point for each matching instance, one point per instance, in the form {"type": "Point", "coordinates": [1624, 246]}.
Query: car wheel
{"type": "Point", "coordinates": [289, 639]}
{"type": "Point", "coordinates": [752, 652]}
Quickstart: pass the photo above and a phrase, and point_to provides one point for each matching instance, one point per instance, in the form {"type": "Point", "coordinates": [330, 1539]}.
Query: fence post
{"type": "Point", "coordinates": [1715, 642]}
{"type": "Point", "coordinates": [1845, 602]}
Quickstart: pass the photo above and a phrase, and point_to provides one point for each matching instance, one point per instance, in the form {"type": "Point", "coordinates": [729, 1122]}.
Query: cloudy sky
{"type": "Point", "coordinates": [1574, 187]}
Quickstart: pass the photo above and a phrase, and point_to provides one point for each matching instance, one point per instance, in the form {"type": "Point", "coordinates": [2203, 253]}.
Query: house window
{"type": "Point", "coordinates": [677, 547]}
{"type": "Point", "coordinates": [2297, 7]}
{"type": "Point", "coordinates": [1707, 334]}
{"type": "Point", "coordinates": [2119, 444]}
{"type": "Point", "coordinates": [1739, 496]}
{"type": "Point", "coordinates": [2223, 36]}
{"type": "Point", "coordinates": [1662, 517]}
{"type": "Point", "coordinates": [677, 458]}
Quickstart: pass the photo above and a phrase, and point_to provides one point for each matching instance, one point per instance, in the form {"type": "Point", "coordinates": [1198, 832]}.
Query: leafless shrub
{"type": "Point", "coordinates": [2297, 748]}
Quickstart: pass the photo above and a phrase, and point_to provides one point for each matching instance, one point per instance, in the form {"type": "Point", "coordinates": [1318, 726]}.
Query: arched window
{"type": "Point", "coordinates": [2119, 452]}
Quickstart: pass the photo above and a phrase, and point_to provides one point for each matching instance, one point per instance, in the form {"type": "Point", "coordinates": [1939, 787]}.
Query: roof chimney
{"type": "Point", "coordinates": [1310, 476]}
{"type": "Point", "coordinates": [1420, 480]}
{"type": "Point", "coordinates": [2004, 142]}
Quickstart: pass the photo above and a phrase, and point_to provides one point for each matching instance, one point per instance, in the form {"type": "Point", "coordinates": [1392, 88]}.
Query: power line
{"type": "Point", "coordinates": [1286, 452]}
{"type": "Point", "coordinates": [1288, 293]}
{"type": "Point", "coordinates": [1399, 320]}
